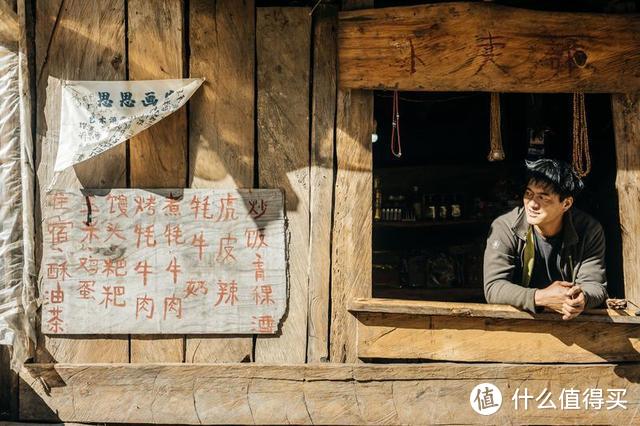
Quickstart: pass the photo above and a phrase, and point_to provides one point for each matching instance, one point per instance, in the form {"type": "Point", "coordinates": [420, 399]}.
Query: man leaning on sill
{"type": "Point", "coordinates": [546, 253]}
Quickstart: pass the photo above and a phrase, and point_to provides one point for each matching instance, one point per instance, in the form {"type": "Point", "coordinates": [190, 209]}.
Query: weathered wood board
{"type": "Point", "coordinates": [484, 310]}
{"type": "Point", "coordinates": [488, 47]}
{"type": "Point", "coordinates": [221, 125]}
{"type": "Point", "coordinates": [449, 338]}
{"type": "Point", "coordinates": [283, 46]}
{"type": "Point", "coordinates": [352, 224]}
{"type": "Point", "coordinates": [158, 156]}
{"type": "Point", "coordinates": [323, 110]}
{"type": "Point", "coordinates": [135, 261]}
{"type": "Point", "coordinates": [435, 393]}
{"type": "Point", "coordinates": [77, 40]}
{"type": "Point", "coordinates": [626, 125]}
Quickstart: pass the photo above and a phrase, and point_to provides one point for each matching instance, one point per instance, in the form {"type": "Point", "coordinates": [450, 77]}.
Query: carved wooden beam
{"type": "Point", "coordinates": [486, 47]}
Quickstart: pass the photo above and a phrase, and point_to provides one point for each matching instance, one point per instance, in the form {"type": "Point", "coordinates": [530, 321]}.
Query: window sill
{"type": "Point", "coordinates": [482, 310]}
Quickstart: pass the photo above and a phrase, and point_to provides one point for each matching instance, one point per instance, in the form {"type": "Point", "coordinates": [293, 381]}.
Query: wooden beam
{"type": "Point", "coordinates": [351, 239]}
{"type": "Point", "coordinates": [474, 339]}
{"type": "Point", "coordinates": [8, 386]}
{"type": "Point", "coordinates": [283, 50]}
{"type": "Point", "coordinates": [435, 393]}
{"type": "Point", "coordinates": [221, 125]}
{"type": "Point", "coordinates": [9, 26]}
{"type": "Point", "coordinates": [158, 155]}
{"type": "Point", "coordinates": [488, 47]}
{"type": "Point", "coordinates": [483, 310]}
{"type": "Point", "coordinates": [323, 106]}
{"type": "Point", "coordinates": [79, 40]}
{"type": "Point", "coordinates": [626, 125]}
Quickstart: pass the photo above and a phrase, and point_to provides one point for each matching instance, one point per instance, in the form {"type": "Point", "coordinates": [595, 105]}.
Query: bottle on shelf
{"type": "Point", "coordinates": [443, 208]}
{"type": "Point", "coordinates": [456, 208]}
{"type": "Point", "coordinates": [429, 209]}
{"type": "Point", "coordinates": [416, 204]}
{"type": "Point", "coordinates": [377, 199]}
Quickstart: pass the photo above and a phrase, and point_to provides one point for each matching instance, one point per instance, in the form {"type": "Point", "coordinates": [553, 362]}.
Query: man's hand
{"type": "Point", "coordinates": [553, 296]}
{"type": "Point", "coordinates": [563, 297]}
{"type": "Point", "coordinates": [574, 303]}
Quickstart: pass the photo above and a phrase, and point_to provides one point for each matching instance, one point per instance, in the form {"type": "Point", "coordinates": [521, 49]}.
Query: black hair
{"type": "Point", "coordinates": [556, 175]}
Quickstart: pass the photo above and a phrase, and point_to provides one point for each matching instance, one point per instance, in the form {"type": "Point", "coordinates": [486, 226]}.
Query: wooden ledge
{"type": "Point", "coordinates": [435, 393]}
{"type": "Point", "coordinates": [481, 310]}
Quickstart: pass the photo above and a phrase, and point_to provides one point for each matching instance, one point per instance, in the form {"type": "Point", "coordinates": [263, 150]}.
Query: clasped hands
{"type": "Point", "coordinates": [563, 297]}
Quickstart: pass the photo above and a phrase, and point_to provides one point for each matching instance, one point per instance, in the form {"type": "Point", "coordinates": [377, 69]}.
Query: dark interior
{"type": "Point", "coordinates": [445, 142]}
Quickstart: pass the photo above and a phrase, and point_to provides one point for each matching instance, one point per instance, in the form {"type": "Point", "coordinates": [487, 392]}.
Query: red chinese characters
{"type": "Point", "coordinates": [144, 307]}
{"type": "Point", "coordinates": [227, 293]}
{"type": "Point", "coordinates": [118, 204]}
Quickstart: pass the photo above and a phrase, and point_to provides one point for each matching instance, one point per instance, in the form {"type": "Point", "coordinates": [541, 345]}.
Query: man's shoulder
{"type": "Point", "coordinates": [583, 222]}
{"type": "Point", "coordinates": [508, 219]}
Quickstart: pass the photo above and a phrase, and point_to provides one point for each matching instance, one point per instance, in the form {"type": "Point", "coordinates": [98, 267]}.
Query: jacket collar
{"type": "Point", "coordinates": [570, 236]}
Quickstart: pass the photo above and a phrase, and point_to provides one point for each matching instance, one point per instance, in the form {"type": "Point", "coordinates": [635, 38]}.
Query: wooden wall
{"type": "Point", "coordinates": [264, 118]}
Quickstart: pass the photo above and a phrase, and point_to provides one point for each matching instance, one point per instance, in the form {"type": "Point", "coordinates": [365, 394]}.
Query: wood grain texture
{"type": "Point", "coordinates": [351, 248]}
{"type": "Point", "coordinates": [9, 25]}
{"type": "Point", "coordinates": [323, 109]}
{"type": "Point", "coordinates": [488, 47]}
{"type": "Point", "coordinates": [283, 46]}
{"type": "Point", "coordinates": [435, 393]}
{"type": "Point", "coordinates": [221, 125]}
{"type": "Point", "coordinates": [352, 215]}
{"type": "Point", "coordinates": [405, 336]}
{"type": "Point", "coordinates": [158, 155]}
{"type": "Point", "coordinates": [626, 126]}
{"type": "Point", "coordinates": [483, 310]}
{"type": "Point", "coordinates": [77, 40]}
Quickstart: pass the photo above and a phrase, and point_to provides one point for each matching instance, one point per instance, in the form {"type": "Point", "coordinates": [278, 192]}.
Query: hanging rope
{"type": "Point", "coordinates": [395, 127]}
{"type": "Point", "coordinates": [495, 135]}
{"type": "Point", "coordinates": [581, 156]}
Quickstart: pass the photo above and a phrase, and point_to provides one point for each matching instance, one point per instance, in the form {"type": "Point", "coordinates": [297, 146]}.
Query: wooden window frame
{"type": "Point", "coordinates": [393, 49]}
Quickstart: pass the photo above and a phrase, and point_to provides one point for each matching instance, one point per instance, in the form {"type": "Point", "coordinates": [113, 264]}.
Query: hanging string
{"type": "Point", "coordinates": [581, 156]}
{"type": "Point", "coordinates": [395, 127]}
{"type": "Point", "coordinates": [496, 152]}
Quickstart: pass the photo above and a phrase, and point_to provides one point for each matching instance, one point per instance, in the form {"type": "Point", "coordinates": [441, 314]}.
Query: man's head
{"type": "Point", "coordinates": [551, 188]}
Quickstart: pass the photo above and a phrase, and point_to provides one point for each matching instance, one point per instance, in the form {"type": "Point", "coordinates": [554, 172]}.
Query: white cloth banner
{"type": "Point", "coordinates": [98, 115]}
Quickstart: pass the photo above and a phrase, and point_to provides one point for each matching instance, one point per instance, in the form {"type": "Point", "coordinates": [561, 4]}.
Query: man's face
{"type": "Point", "coordinates": [543, 206]}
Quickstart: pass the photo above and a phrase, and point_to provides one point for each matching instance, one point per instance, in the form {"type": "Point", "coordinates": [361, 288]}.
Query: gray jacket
{"type": "Point", "coordinates": [582, 259]}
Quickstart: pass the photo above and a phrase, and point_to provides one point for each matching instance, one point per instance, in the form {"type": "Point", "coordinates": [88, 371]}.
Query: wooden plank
{"type": "Point", "coordinates": [483, 310]}
{"type": "Point", "coordinates": [351, 248]}
{"type": "Point", "coordinates": [158, 155]}
{"type": "Point", "coordinates": [14, 254]}
{"type": "Point", "coordinates": [221, 120]}
{"type": "Point", "coordinates": [435, 393]}
{"type": "Point", "coordinates": [404, 336]}
{"type": "Point", "coordinates": [626, 125]}
{"type": "Point", "coordinates": [77, 40]}
{"type": "Point", "coordinates": [488, 47]}
{"type": "Point", "coordinates": [323, 108]}
{"type": "Point", "coordinates": [283, 44]}
{"type": "Point", "coordinates": [8, 386]}
{"type": "Point", "coordinates": [351, 238]}
{"type": "Point", "coordinates": [9, 26]}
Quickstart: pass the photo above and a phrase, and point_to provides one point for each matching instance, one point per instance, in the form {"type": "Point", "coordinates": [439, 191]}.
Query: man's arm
{"type": "Point", "coordinates": [499, 266]}
{"type": "Point", "coordinates": [591, 276]}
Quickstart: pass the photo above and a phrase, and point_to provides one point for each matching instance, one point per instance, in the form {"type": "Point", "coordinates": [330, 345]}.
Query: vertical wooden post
{"type": "Point", "coordinates": [283, 50]}
{"type": "Point", "coordinates": [626, 124]}
{"type": "Point", "coordinates": [351, 258]}
{"type": "Point", "coordinates": [78, 40]}
{"type": "Point", "coordinates": [158, 156]}
{"type": "Point", "coordinates": [221, 125]}
{"type": "Point", "coordinates": [13, 35]}
{"type": "Point", "coordinates": [323, 107]}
